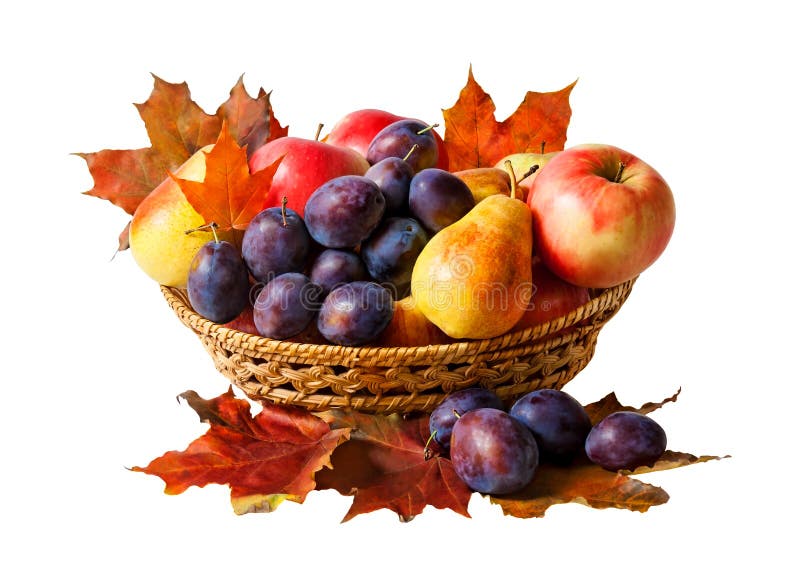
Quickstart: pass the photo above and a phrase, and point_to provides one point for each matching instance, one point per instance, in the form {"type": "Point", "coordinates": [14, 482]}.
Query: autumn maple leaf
{"type": "Point", "coordinates": [177, 128]}
{"type": "Point", "coordinates": [264, 459]}
{"type": "Point", "coordinates": [383, 465]}
{"type": "Point", "coordinates": [474, 138]}
{"type": "Point", "coordinates": [229, 196]}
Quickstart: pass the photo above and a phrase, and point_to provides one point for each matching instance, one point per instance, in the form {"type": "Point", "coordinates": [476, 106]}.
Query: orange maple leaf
{"type": "Point", "coordinates": [474, 138]}
{"type": "Point", "coordinates": [229, 195]}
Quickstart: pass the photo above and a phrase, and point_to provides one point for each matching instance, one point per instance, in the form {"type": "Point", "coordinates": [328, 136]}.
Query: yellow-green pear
{"type": "Point", "coordinates": [522, 163]}
{"type": "Point", "coordinates": [473, 278]}
{"type": "Point", "coordinates": [158, 239]}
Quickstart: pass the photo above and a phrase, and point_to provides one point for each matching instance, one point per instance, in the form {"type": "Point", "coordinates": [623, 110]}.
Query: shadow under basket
{"type": "Point", "coordinates": [403, 379]}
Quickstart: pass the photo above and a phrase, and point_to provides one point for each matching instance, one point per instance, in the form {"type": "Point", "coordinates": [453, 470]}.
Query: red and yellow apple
{"type": "Point", "coordinates": [357, 129]}
{"type": "Point", "coordinates": [601, 216]}
{"type": "Point", "coordinates": [307, 164]}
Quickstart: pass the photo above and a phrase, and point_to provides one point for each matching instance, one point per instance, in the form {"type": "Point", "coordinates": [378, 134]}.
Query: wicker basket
{"type": "Point", "coordinates": [403, 379]}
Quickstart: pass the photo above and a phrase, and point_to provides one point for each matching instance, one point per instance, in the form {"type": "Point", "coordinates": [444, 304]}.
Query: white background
{"type": "Point", "coordinates": [93, 358]}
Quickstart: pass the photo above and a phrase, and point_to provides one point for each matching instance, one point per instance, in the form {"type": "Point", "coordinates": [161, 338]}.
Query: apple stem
{"type": "Point", "coordinates": [284, 201]}
{"type": "Point", "coordinates": [528, 173]}
{"type": "Point", "coordinates": [456, 414]}
{"type": "Point", "coordinates": [543, 144]}
{"type": "Point", "coordinates": [512, 176]}
{"type": "Point", "coordinates": [619, 172]}
{"type": "Point", "coordinates": [213, 226]}
{"type": "Point", "coordinates": [410, 151]}
{"type": "Point", "coordinates": [319, 131]}
{"type": "Point", "coordinates": [427, 129]}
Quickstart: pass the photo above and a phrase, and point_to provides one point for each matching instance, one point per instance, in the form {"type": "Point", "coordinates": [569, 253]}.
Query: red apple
{"type": "Point", "coordinates": [552, 297]}
{"type": "Point", "coordinates": [307, 164]}
{"type": "Point", "coordinates": [601, 216]}
{"type": "Point", "coordinates": [357, 130]}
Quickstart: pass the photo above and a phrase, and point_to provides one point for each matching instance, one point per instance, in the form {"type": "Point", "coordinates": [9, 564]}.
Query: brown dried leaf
{"type": "Point", "coordinates": [384, 466]}
{"type": "Point", "coordinates": [610, 404]}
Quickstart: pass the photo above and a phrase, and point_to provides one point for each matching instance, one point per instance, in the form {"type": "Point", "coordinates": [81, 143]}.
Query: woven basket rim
{"type": "Point", "coordinates": [330, 354]}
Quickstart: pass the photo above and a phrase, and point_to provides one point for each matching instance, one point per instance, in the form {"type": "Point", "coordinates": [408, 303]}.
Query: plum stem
{"type": "Point", "coordinates": [427, 129]}
{"type": "Point", "coordinates": [284, 201]}
{"type": "Point", "coordinates": [428, 453]}
{"type": "Point", "coordinates": [319, 131]}
{"type": "Point", "coordinates": [410, 151]}
{"type": "Point", "coordinates": [619, 172]}
{"type": "Point", "coordinates": [213, 226]}
{"type": "Point", "coordinates": [512, 176]}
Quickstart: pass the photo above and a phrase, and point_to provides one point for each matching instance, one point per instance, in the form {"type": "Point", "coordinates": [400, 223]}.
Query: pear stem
{"type": "Point", "coordinates": [427, 129]}
{"type": "Point", "coordinates": [512, 176]}
{"type": "Point", "coordinates": [410, 151]}
{"type": "Point", "coordinates": [213, 226]}
{"type": "Point", "coordinates": [619, 172]}
{"type": "Point", "coordinates": [528, 173]}
{"type": "Point", "coordinates": [319, 131]}
{"type": "Point", "coordinates": [283, 209]}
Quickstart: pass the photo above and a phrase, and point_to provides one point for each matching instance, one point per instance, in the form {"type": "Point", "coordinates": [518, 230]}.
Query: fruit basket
{"type": "Point", "coordinates": [403, 379]}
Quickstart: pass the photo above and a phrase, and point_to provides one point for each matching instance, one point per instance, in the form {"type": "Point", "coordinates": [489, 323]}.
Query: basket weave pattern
{"type": "Point", "coordinates": [403, 379]}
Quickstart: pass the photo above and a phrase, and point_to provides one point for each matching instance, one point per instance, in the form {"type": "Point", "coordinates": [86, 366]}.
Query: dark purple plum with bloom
{"type": "Point", "coordinates": [626, 440]}
{"type": "Point", "coordinates": [335, 267]}
{"type": "Point", "coordinates": [492, 452]}
{"type": "Point", "coordinates": [456, 405]}
{"type": "Point", "coordinates": [218, 283]}
{"type": "Point", "coordinates": [286, 305]}
{"type": "Point", "coordinates": [558, 422]}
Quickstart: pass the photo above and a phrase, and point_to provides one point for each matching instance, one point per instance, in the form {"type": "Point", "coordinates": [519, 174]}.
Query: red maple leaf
{"type": "Point", "coordinates": [264, 459]}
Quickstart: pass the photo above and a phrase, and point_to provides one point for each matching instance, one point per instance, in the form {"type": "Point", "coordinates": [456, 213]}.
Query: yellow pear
{"type": "Point", "coordinates": [485, 181]}
{"type": "Point", "coordinates": [158, 239]}
{"type": "Point", "coordinates": [473, 278]}
{"type": "Point", "coordinates": [522, 163]}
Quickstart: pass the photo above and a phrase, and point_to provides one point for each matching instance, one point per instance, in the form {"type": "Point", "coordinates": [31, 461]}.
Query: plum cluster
{"type": "Point", "coordinates": [497, 452]}
{"type": "Point", "coordinates": [349, 255]}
